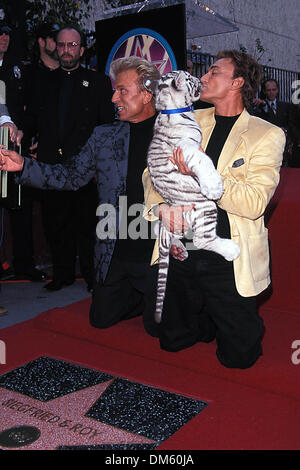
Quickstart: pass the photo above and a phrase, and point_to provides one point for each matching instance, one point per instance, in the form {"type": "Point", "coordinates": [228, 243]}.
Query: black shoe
{"type": "Point", "coordinates": [32, 274]}
{"type": "Point", "coordinates": [58, 284]}
{"type": "Point", "coordinates": [90, 286]}
{"type": "Point", "coordinates": [36, 275]}
{"type": "Point", "coordinates": [3, 311]}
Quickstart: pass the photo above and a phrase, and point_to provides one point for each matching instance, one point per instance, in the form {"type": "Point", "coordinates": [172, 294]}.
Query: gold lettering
{"type": "Point", "coordinates": [55, 419]}
{"type": "Point", "coordinates": [31, 408]}
{"type": "Point", "coordinates": [14, 405]}
{"type": "Point", "coordinates": [65, 424]}
{"type": "Point", "coordinates": [76, 427]}
{"type": "Point", "coordinates": [8, 402]}
{"type": "Point", "coordinates": [49, 417]}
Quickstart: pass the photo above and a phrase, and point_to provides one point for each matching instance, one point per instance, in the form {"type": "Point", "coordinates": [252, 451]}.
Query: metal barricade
{"type": "Point", "coordinates": [10, 191]}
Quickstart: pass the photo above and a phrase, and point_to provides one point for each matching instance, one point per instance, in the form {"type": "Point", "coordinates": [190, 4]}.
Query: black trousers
{"type": "Point", "coordinates": [69, 219]}
{"type": "Point", "coordinates": [202, 304]}
{"type": "Point", "coordinates": [129, 290]}
{"type": "Point", "coordinates": [22, 232]}
{"type": "Point", "coordinates": [294, 158]}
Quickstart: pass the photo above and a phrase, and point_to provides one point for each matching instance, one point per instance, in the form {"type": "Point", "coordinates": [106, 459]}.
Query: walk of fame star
{"type": "Point", "coordinates": [72, 406]}
{"type": "Point", "coordinates": [62, 421]}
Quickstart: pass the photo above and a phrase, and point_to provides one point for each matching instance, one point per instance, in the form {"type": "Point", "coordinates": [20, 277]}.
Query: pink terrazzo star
{"type": "Point", "coordinates": [61, 421]}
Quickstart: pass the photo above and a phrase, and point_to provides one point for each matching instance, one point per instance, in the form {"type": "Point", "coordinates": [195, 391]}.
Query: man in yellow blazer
{"type": "Point", "coordinates": [208, 297]}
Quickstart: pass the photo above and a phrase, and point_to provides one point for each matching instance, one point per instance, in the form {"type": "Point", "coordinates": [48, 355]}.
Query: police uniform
{"type": "Point", "coordinates": [13, 74]}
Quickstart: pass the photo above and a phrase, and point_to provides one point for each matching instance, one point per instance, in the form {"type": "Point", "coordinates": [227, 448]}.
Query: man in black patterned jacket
{"type": "Point", "coordinates": [71, 102]}
{"type": "Point", "coordinates": [115, 156]}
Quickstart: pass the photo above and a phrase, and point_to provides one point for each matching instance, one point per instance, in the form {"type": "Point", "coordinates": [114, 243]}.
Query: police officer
{"type": "Point", "coordinates": [13, 74]}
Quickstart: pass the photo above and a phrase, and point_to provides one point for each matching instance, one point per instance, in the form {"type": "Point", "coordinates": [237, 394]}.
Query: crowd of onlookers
{"type": "Point", "coordinates": [282, 114]}
{"type": "Point", "coordinates": [53, 103]}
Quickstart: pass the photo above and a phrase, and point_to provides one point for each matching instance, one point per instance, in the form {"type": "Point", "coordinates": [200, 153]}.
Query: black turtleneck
{"type": "Point", "coordinates": [141, 134]}
{"type": "Point", "coordinates": [214, 148]}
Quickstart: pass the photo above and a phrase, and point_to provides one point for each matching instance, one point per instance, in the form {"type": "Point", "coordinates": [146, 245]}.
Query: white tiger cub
{"type": "Point", "coordinates": [175, 126]}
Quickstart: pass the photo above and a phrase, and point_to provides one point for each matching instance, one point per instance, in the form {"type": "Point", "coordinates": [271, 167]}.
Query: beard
{"type": "Point", "coordinates": [52, 54]}
{"type": "Point", "coordinates": [68, 62]}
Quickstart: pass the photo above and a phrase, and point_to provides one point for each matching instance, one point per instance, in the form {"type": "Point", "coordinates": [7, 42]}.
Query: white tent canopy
{"type": "Point", "coordinates": [200, 19]}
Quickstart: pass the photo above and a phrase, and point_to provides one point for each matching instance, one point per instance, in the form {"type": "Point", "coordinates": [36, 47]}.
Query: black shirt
{"type": "Point", "coordinates": [141, 135]}
{"type": "Point", "coordinates": [214, 148]}
{"type": "Point", "coordinates": [67, 83]}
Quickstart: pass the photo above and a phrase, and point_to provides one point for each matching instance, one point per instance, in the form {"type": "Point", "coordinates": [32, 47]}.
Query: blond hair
{"type": "Point", "coordinates": [144, 69]}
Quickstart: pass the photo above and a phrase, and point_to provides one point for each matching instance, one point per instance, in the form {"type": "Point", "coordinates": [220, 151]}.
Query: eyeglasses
{"type": "Point", "coordinates": [70, 45]}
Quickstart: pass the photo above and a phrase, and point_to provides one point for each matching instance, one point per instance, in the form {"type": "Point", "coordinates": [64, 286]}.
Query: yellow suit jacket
{"type": "Point", "coordinates": [248, 189]}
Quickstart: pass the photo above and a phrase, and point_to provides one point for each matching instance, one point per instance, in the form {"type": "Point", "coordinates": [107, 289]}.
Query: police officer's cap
{"type": "Point", "coordinates": [5, 27]}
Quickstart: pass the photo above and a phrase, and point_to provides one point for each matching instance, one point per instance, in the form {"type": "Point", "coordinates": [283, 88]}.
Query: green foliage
{"type": "Point", "coordinates": [259, 49]}
{"type": "Point", "coordinates": [243, 49]}
{"type": "Point", "coordinates": [121, 3]}
{"type": "Point", "coordinates": [56, 12]}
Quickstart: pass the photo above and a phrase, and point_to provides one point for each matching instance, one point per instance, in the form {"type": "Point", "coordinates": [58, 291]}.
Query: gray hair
{"type": "Point", "coordinates": [144, 69]}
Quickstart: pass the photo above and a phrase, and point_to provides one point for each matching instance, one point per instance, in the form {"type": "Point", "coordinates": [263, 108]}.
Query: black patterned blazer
{"type": "Point", "coordinates": [103, 157]}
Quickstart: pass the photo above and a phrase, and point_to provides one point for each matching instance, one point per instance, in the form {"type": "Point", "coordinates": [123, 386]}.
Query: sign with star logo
{"type": "Point", "coordinates": [147, 44]}
{"type": "Point", "coordinates": [156, 35]}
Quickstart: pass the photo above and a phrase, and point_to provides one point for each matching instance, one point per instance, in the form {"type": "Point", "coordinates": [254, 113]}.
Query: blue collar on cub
{"type": "Point", "coordinates": [178, 110]}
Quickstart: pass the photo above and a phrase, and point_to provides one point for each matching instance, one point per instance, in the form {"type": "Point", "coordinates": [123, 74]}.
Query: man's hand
{"type": "Point", "coordinates": [10, 160]}
{"type": "Point", "coordinates": [172, 218]}
{"type": "Point", "coordinates": [33, 150]}
{"type": "Point", "coordinates": [19, 137]}
{"type": "Point", "coordinates": [15, 134]}
{"type": "Point", "coordinates": [259, 102]}
{"type": "Point", "coordinates": [178, 160]}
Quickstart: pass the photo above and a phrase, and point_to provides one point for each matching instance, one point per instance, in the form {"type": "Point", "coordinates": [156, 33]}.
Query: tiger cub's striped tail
{"type": "Point", "coordinates": [165, 239]}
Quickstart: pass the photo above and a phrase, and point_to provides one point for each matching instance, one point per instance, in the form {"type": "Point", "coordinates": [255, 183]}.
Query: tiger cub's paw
{"type": "Point", "coordinates": [178, 250]}
{"type": "Point", "coordinates": [212, 186]}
